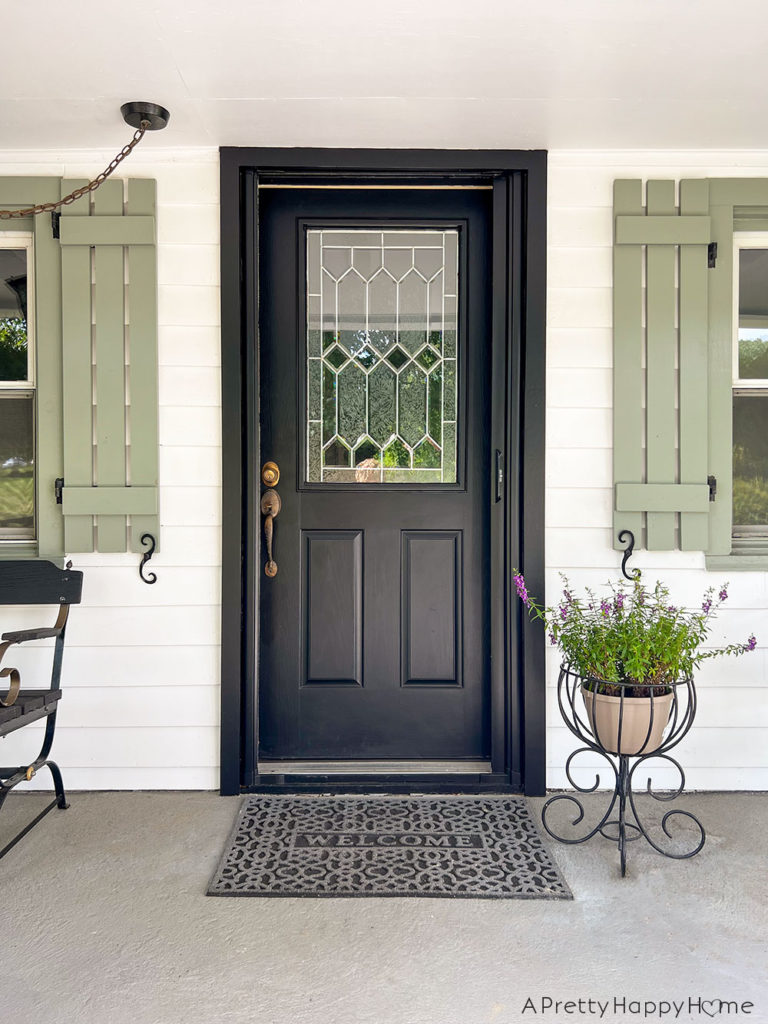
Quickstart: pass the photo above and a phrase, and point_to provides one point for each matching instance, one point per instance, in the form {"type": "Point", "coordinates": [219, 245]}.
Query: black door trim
{"type": "Point", "coordinates": [518, 316]}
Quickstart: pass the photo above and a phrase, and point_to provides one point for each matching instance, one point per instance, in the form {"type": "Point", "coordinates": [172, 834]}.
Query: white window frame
{"type": "Point", "coordinates": [25, 240]}
{"type": "Point", "coordinates": [745, 385]}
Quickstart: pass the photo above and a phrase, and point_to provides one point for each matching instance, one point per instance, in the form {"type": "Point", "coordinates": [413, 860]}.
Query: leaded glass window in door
{"type": "Point", "coordinates": [382, 368]}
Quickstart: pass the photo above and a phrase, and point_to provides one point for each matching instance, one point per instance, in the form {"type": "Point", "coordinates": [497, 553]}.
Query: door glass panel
{"type": "Point", "coordinates": [381, 374]}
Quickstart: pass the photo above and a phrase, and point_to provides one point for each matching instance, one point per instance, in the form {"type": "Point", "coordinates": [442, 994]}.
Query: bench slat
{"type": "Point", "coordinates": [30, 705]}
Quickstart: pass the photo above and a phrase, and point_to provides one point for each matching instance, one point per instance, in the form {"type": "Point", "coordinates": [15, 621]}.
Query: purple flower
{"type": "Point", "coordinates": [618, 602]}
{"type": "Point", "coordinates": [552, 639]}
{"type": "Point", "coordinates": [706, 605]}
{"type": "Point", "coordinates": [563, 612]}
{"type": "Point", "coordinates": [671, 609]}
{"type": "Point", "coordinates": [605, 606]}
{"type": "Point", "coordinates": [752, 643]}
{"type": "Point", "coordinates": [522, 591]}
{"type": "Point", "coordinates": [723, 593]}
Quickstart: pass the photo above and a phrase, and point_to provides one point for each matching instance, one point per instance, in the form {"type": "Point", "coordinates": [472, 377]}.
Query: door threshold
{"type": "Point", "coordinates": [374, 767]}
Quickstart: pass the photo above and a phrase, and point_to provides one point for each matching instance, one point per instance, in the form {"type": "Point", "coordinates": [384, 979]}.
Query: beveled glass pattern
{"type": "Point", "coordinates": [381, 374]}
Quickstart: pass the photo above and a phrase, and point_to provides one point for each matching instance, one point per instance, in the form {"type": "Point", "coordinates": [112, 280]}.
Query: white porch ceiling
{"type": "Point", "coordinates": [554, 74]}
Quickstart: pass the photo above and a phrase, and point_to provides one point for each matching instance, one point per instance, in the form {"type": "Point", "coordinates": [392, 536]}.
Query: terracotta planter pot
{"type": "Point", "coordinates": [638, 734]}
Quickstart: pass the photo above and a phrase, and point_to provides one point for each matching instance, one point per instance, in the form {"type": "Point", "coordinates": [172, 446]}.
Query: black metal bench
{"type": "Point", "coordinates": [32, 583]}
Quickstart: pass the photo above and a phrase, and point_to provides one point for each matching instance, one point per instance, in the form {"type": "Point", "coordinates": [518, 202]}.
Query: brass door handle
{"type": "Point", "coordinates": [270, 506]}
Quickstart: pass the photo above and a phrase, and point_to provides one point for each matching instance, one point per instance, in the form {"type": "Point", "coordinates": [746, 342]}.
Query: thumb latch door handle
{"type": "Point", "coordinates": [270, 507]}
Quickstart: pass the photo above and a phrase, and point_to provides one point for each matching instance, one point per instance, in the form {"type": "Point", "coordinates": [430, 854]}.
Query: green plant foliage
{"type": "Point", "coordinates": [750, 501]}
{"type": "Point", "coordinates": [630, 636]}
{"type": "Point", "coordinates": [13, 348]}
{"type": "Point", "coordinates": [753, 357]}
{"type": "Point", "coordinates": [17, 496]}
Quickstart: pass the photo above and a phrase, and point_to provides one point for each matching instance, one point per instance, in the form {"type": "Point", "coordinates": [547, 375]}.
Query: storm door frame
{"type": "Point", "coordinates": [518, 321]}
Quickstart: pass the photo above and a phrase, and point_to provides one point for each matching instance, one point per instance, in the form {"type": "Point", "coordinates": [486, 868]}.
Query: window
{"type": "Point", "coordinates": [17, 388]}
{"type": "Point", "coordinates": [750, 387]}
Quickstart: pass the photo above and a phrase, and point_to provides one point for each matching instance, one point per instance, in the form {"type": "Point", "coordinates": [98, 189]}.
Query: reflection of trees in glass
{"type": "Point", "coordinates": [17, 498]}
{"type": "Point", "coordinates": [750, 465]}
{"type": "Point", "coordinates": [17, 481]}
{"type": "Point", "coordinates": [13, 349]}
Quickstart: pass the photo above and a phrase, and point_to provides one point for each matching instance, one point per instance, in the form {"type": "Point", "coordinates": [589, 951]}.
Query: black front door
{"type": "Point", "coordinates": [375, 403]}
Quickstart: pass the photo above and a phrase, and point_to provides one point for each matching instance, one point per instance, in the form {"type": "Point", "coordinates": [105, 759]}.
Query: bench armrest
{"type": "Point", "coordinates": [20, 635]}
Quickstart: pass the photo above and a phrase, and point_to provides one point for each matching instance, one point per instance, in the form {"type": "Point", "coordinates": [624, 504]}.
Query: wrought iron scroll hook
{"type": "Point", "coordinates": [147, 539]}
{"type": "Point", "coordinates": [634, 574]}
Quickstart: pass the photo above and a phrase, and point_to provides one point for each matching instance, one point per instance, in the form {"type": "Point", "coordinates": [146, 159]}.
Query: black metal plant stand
{"type": "Point", "coordinates": [627, 825]}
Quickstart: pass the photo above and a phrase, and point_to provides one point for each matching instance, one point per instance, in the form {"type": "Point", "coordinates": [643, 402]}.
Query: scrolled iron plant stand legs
{"type": "Point", "coordinates": [628, 825]}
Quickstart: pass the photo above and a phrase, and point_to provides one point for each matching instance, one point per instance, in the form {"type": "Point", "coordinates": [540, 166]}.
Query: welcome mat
{"type": "Point", "coordinates": [458, 846]}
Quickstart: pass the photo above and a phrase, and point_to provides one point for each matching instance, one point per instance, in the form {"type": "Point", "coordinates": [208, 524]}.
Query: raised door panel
{"type": "Point", "coordinates": [332, 603]}
{"type": "Point", "coordinates": [431, 607]}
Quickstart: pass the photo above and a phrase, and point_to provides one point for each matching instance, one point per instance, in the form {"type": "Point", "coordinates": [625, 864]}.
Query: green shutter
{"type": "Point", "coordinates": [96, 336]}
{"type": "Point", "coordinates": [660, 305]}
{"type": "Point", "coordinates": [23, 192]}
{"type": "Point", "coordinates": [109, 321]}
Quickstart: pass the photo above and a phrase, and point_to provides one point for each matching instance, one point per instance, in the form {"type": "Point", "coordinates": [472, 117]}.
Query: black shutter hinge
{"type": "Point", "coordinates": [712, 481]}
{"type": "Point", "coordinates": [55, 224]}
{"type": "Point", "coordinates": [711, 255]}
{"type": "Point", "coordinates": [58, 487]}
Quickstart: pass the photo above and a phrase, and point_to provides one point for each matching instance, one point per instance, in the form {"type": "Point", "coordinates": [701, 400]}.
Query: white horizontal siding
{"type": "Point", "coordinates": [182, 425]}
{"type": "Point", "coordinates": [728, 746]}
{"type": "Point", "coordinates": [189, 346]}
{"type": "Point", "coordinates": [141, 666]}
{"type": "Point", "coordinates": [117, 746]}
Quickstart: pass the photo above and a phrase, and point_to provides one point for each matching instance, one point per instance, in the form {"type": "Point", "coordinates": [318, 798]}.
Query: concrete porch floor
{"type": "Point", "coordinates": [103, 921]}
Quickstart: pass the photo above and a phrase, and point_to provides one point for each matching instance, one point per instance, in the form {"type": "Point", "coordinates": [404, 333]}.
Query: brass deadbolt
{"type": "Point", "coordinates": [270, 474]}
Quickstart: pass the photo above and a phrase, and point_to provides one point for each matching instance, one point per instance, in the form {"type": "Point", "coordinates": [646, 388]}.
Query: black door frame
{"type": "Point", "coordinates": [518, 319]}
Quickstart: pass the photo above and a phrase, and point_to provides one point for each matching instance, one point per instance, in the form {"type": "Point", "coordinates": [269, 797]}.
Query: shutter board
{"type": "Point", "coordinates": [110, 380]}
{"type": "Point", "coordinates": [661, 365]}
{"type": "Point", "coordinates": [663, 230]}
{"type": "Point", "coordinates": [111, 502]}
{"type": "Point", "coordinates": [108, 230]}
{"type": "Point", "coordinates": [628, 454]}
{"type": "Point", "coordinates": [142, 370]}
{"type": "Point", "coordinates": [109, 358]}
{"type": "Point", "coordinates": [50, 530]}
{"type": "Point", "coordinates": [720, 378]}
{"type": "Point", "coordinates": [694, 362]}
{"type": "Point", "coordinates": [77, 372]}
{"type": "Point", "coordinates": [662, 497]}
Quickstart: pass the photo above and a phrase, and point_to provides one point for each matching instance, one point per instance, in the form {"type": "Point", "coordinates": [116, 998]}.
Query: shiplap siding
{"type": "Point", "coordinates": [141, 665]}
{"type": "Point", "coordinates": [728, 747]}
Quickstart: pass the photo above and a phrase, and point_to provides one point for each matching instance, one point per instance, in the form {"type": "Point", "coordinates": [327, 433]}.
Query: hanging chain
{"type": "Point", "coordinates": [31, 211]}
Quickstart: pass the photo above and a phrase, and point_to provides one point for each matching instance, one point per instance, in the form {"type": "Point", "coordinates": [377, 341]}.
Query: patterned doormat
{"type": "Point", "coordinates": [457, 846]}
